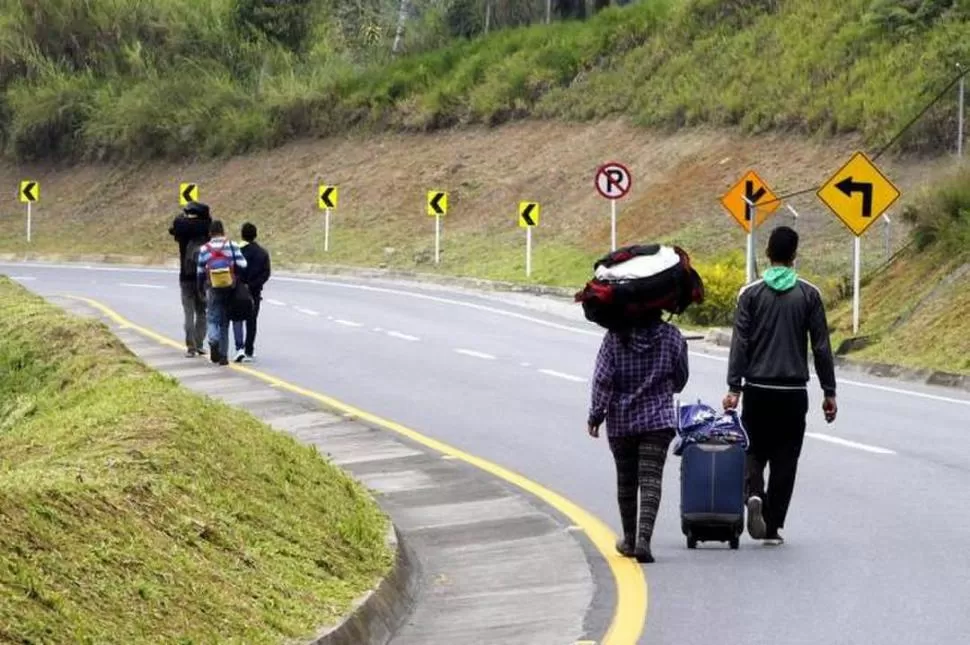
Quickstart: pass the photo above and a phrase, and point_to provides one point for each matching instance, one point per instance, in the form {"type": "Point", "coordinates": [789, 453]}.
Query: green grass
{"type": "Point", "coordinates": [133, 510]}
{"type": "Point", "coordinates": [177, 78]}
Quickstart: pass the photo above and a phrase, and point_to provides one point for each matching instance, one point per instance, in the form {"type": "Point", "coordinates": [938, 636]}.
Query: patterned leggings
{"type": "Point", "coordinates": [639, 465]}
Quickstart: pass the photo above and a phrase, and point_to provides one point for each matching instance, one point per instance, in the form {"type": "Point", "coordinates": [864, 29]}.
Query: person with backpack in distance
{"type": "Point", "coordinates": [220, 263]}
{"type": "Point", "coordinates": [638, 370]}
{"type": "Point", "coordinates": [256, 275]}
{"type": "Point", "coordinates": [775, 319]}
{"type": "Point", "coordinates": [191, 230]}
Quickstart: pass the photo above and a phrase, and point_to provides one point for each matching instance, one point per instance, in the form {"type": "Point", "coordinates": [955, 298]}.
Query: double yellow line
{"type": "Point", "coordinates": [631, 586]}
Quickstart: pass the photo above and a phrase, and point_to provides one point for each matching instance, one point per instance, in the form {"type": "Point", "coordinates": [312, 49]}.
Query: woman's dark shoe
{"type": "Point", "coordinates": [643, 555]}
{"type": "Point", "coordinates": [625, 548]}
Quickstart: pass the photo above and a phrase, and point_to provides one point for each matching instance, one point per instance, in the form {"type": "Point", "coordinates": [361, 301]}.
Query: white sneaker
{"type": "Point", "coordinates": [240, 356]}
{"type": "Point", "coordinates": [247, 359]}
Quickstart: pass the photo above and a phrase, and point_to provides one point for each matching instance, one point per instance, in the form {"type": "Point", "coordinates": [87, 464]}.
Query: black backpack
{"type": "Point", "coordinates": [190, 263]}
{"type": "Point", "coordinates": [619, 304]}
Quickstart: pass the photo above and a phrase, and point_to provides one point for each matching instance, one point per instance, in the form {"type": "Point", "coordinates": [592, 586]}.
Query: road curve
{"type": "Point", "coordinates": [879, 519]}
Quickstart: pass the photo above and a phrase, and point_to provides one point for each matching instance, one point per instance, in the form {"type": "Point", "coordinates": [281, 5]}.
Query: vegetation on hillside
{"type": "Point", "coordinates": [121, 79]}
{"type": "Point", "coordinates": [133, 510]}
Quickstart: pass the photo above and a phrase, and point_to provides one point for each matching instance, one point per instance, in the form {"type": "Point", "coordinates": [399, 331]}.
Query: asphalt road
{"type": "Point", "coordinates": [877, 534]}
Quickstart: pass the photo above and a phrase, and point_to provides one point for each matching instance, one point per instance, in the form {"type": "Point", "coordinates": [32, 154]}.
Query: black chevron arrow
{"type": "Point", "coordinates": [325, 197]}
{"type": "Point", "coordinates": [849, 186]}
{"type": "Point", "coordinates": [29, 191]}
{"type": "Point", "coordinates": [187, 193]}
{"type": "Point", "coordinates": [527, 214]}
{"type": "Point", "coordinates": [436, 205]}
{"type": "Point", "coordinates": [752, 196]}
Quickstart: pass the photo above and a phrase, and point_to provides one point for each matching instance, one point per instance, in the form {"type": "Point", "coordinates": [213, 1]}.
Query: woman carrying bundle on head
{"type": "Point", "coordinates": [638, 370]}
{"type": "Point", "coordinates": [641, 364]}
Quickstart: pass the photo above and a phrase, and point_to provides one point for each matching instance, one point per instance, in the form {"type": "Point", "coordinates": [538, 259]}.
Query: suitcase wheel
{"type": "Point", "coordinates": [735, 543]}
{"type": "Point", "coordinates": [691, 540]}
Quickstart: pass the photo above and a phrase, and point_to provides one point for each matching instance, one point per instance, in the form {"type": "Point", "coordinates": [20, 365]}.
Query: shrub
{"type": "Point", "coordinates": [722, 282]}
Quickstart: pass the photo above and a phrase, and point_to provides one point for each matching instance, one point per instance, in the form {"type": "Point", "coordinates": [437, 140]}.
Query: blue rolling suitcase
{"type": "Point", "coordinates": [713, 447]}
{"type": "Point", "coordinates": [712, 493]}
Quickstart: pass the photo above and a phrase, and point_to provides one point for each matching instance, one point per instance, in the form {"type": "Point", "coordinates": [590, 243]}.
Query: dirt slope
{"type": "Point", "coordinates": [381, 217]}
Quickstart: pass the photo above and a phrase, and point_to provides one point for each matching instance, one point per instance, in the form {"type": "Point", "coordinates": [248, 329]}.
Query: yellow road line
{"type": "Point", "coordinates": [631, 586]}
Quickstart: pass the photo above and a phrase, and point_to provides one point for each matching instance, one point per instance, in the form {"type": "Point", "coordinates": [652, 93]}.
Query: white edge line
{"type": "Point", "coordinates": [566, 377]}
{"type": "Point", "coordinates": [850, 444]}
{"type": "Point", "coordinates": [494, 310]}
{"type": "Point", "coordinates": [474, 354]}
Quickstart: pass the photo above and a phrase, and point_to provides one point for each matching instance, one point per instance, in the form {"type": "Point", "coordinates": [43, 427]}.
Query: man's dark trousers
{"type": "Point", "coordinates": [194, 314]}
{"type": "Point", "coordinates": [251, 324]}
{"type": "Point", "coordinates": [775, 422]}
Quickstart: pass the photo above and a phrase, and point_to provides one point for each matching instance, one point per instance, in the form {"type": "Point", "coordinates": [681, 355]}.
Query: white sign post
{"type": "Point", "coordinates": [750, 259]}
{"type": "Point", "coordinates": [613, 181]}
{"type": "Point", "coordinates": [856, 276]}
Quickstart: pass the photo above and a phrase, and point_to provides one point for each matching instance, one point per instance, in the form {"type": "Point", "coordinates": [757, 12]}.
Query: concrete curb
{"type": "Point", "coordinates": [377, 615]}
{"type": "Point", "coordinates": [722, 338]}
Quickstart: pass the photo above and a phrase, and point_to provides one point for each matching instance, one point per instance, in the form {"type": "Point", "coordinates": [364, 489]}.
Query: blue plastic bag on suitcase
{"type": "Point", "coordinates": [700, 423]}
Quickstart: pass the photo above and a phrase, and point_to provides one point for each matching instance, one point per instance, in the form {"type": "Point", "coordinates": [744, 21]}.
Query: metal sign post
{"type": "Point", "coordinates": [326, 231]}
{"type": "Point", "coordinates": [888, 237]}
{"type": "Point", "coordinates": [856, 273]}
{"type": "Point", "coordinates": [613, 181]}
{"type": "Point", "coordinates": [960, 114]}
{"type": "Point", "coordinates": [794, 225]}
{"type": "Point", "coordinates": [28, 222]}
{"type": "Point", "coordinates": [749, 251]}
{"type": "Point", "coordinates": [528, 252]}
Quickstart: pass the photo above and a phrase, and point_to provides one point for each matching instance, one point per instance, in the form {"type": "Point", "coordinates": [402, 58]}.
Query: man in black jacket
{"type": "Point", "coordinates": [775, 319]}
{"type": "Point", "coordinates": [191, 230]}
{"type": "Point", "coordinates": [255, 276]}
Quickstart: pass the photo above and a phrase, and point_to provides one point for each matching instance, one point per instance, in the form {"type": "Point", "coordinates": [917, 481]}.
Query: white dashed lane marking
{"type": "Point", "coordinates": [400, 336]}
{"type": "Point", "coordinates": [347, 323]}
{"type": "Point", "coordinates": [474, 354]}
{"type": "Point", "coordinates": [563, 376]}
{"type": "Point", "coordinates": [850, 444]}
{"type": "Point", "coordinates": [132, 285]}
{"type": "Point", "coordinates": [277, 303]}
{"type": "Point", "coordinates": [308, 312]}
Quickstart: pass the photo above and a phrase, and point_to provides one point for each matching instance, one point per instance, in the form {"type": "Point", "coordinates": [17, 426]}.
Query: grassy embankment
{"type": "Point", "coordinates": [133, 510]}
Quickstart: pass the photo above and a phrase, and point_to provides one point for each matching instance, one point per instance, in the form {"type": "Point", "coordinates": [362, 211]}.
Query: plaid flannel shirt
{"type": "Point", "coordinates": [634, 381]}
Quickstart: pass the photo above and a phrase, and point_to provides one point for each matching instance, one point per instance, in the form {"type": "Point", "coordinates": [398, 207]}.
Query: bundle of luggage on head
{"type": "Point", "coordinates": [636, 283]}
